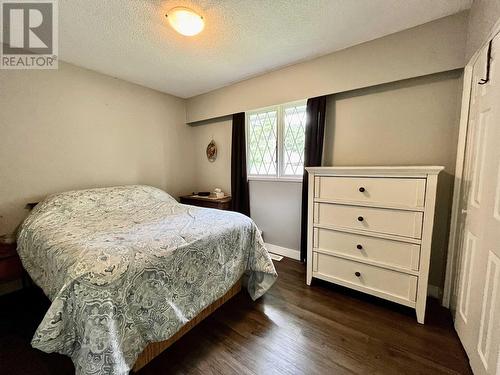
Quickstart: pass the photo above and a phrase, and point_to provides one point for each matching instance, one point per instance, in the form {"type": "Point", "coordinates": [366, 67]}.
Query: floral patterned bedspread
{"type": "Point", "coordinates": [128, 265]}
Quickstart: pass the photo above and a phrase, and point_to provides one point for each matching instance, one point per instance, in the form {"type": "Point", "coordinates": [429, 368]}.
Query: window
{"type": "Point", "coordinates": [275, 141]}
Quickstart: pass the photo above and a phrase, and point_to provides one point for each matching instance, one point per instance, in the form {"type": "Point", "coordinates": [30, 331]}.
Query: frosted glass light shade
{"type": "Point", "coordinates": [185, 21]}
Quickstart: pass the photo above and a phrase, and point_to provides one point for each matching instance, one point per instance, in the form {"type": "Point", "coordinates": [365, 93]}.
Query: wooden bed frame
{"type": "Point", "coordinates": [156, 348]}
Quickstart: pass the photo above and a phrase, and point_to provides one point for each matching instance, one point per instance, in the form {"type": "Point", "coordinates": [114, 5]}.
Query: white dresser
{"type": "Point", "coordinates": [370, 229]}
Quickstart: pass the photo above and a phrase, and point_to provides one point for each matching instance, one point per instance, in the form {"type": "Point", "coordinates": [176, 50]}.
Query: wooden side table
{"type": "Point", "coordinates": [195, 200]}
{"type": "Point", "coordinates": [10, 265]}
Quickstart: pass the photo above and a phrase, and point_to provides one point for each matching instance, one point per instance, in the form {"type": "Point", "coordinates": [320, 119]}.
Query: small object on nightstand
{"type": "Point", "coordinates": [218, 193]}
{"type": "Point", "coordinates": [207, 201]}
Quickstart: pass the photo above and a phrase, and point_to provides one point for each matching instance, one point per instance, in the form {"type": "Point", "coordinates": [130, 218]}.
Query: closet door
{"type": "Point", "coordinates": [477, 318]}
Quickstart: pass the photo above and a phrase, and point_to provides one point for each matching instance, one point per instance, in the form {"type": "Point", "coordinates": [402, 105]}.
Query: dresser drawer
{"type": "Point", "coordinates": [380, 220]}
{"type": "Point", "coordinates": [379, 281]}
{"type": "Point", "coordinates": [365, 248]}
{"type": "Point", "coordinates": [408, 192]}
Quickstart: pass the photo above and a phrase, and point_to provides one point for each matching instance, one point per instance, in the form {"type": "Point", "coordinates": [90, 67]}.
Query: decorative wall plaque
{"type": "Point", "coordinates": [212, 151]}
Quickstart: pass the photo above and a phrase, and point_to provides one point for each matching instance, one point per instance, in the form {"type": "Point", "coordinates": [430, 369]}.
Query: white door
{"type": "Point", "coordinates": [477, 318]}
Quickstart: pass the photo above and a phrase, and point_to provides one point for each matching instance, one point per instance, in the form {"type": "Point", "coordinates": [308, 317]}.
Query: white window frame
{"type": "Point", "coordinates": [280, 110]}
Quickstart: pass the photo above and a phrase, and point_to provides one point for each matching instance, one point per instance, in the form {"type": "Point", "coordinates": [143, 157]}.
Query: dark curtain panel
{"type": "Point", "coordinates": [313, 153]}
{"type": "Point", "coordinates": [239, 181]}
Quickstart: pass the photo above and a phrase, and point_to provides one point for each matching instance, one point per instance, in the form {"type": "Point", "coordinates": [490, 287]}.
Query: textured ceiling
{"type": "Point", "coordinates": [131, 39]}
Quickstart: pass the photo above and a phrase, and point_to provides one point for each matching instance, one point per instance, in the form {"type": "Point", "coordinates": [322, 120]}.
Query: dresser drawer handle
{"type": "Point", "coordinates": [358, 274]}
{"type": "Point", "coordinates": [361, 189]}
{"type": "Point", "coordinates": [359, 247]}
{"type": "Point", "coordinates": [360, 218]}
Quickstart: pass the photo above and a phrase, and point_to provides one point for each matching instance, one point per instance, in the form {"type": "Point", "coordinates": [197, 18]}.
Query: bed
{"type": "Point", "coordinates": [128, 270]}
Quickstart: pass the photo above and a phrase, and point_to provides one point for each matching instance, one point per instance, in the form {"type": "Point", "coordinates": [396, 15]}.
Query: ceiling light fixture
{"type": "Point", "coordinates": [185, 21]}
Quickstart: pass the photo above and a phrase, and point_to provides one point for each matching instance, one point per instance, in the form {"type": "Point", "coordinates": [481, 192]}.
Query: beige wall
{"type": "Point", "coordinates": [210, 175]}
{"type": "Point", "coordinates": [433, 47]}
{"type": "Point", "coordinates": [482, 17]}
{"type": "Point", "coordinates": [276, 207]}
{"type": "Point", "coordinates": [403, 123]}
{"type": "Point", "coordinates": [74, 128]}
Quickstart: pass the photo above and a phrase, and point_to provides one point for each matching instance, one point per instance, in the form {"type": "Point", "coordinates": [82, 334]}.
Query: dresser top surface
{"type": "Point", "coordinates": [375, 170]}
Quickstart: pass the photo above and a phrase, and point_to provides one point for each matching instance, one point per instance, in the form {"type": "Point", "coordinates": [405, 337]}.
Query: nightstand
{"type": "Point", "coordinates": [196, 200]}
{"type": "Point", "coordinates": [10, 264]}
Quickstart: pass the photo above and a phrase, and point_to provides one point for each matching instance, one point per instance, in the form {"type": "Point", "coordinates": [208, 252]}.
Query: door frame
{"type": "Point", "coordinates": [452, 266]}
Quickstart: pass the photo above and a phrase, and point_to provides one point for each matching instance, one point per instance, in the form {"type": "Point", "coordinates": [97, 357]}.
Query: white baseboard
{"type": "Point", "coordinates": [434, 291]}
{"type": "Point", "coordinates": [284, 251]}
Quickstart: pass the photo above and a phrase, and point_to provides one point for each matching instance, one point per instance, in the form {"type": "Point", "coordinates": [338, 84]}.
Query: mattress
{"type": "Point", "coordinates": [128, 265]}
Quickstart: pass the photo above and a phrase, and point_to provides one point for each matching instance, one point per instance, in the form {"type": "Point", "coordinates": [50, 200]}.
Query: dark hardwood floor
{"type": "Point", "coordinates": [293, 329]}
